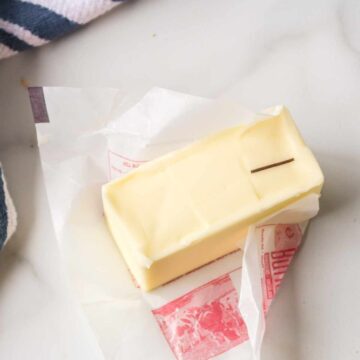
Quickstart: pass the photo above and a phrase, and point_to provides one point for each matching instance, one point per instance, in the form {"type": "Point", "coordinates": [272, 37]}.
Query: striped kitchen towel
{"type": "Point", "coordinates": [28, 23]}
{"type": "Point", "coordinates": [7, 212]}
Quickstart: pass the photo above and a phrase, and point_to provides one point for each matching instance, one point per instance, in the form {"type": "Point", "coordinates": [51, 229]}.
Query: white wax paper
{"type": "Point", "coordinates": [217, 311]}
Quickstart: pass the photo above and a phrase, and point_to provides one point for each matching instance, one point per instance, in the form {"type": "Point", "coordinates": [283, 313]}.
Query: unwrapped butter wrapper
{"type": "Point", "coordinates": [88, 137]}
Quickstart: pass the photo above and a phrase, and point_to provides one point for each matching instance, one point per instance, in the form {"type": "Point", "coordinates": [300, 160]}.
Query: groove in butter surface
{"type": "Point", "coordinates": [194, 205]}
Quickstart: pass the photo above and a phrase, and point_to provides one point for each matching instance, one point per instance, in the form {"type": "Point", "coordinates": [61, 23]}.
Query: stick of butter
{"type": "Point", "coordinates": [194, 205]}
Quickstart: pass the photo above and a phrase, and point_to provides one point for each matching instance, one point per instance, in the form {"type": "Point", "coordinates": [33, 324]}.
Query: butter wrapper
{"type": "Point", "coordinates": [87, 137]}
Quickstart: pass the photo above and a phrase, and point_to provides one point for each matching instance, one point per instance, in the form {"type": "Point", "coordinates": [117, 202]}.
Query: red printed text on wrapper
{"type": "Point", "coordinates": [203, 323]}
{"type": "Point", "coordinates": [276, 256]}
{"type": "Point", "coordinates": [119, 165]}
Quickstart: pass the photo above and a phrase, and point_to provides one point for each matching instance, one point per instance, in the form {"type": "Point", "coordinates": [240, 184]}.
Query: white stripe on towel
{"type": "Point", "coordinates": [21, 33]}
{"type": "Point", "coordinates": [12, 216]}
{"type": "Point", "coordinates": [6, 51]}
{"type": "Point", "coordinates": [79, 11]}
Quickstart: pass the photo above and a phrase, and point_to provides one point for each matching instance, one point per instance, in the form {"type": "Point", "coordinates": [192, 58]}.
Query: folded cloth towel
{"type": "Point", "coordinates": [7, 212]}
{"type": "Point", "coordinates": [28, 23]}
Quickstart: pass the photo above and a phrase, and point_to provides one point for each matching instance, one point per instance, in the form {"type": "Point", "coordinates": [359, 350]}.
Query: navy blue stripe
{"type": "Point", "coordinates": [12, 41]}
{"type": "Point", "coordinates": [3, 213]}
{"type": "Point", "coordinates": [35, 18]}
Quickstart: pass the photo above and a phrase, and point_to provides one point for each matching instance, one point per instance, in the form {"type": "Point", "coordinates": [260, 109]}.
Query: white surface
{"type": "Point", "coordinates": [39, 320]}
{"type": "Point", "coordinates": [261, 53]}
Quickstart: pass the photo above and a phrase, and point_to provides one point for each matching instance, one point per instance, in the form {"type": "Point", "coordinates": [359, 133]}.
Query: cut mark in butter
{"type": "Point", "coordinates": [272, 165]}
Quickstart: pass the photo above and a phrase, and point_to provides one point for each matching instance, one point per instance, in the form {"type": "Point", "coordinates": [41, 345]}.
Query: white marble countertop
{"type": "Point", "coordinates": [305, 55]}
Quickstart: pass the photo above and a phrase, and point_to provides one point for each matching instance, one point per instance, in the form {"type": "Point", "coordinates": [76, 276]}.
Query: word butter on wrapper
{"type": "Point", "coordinates": [192, 206]}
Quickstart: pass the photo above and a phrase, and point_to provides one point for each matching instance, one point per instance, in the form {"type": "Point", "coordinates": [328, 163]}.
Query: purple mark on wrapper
{"type": "Point", "coordinates": [38, 105]}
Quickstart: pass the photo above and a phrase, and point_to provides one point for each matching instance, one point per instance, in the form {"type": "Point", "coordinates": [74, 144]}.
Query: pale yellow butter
{"type": "Point", "coordinates": [190, 207]}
